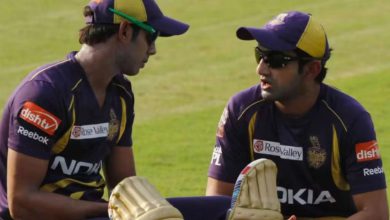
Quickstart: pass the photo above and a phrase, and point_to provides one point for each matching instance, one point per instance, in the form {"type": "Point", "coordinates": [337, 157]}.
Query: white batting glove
{"type": "Point", "coordinates": [134, 198]}
{"type": "Point", "coordinates": [255, 196]}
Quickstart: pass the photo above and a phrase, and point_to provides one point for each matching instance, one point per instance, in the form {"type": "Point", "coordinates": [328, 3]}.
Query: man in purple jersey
{"type": "Point", "coordinates": [71, 119]}
{"type": "Point", "coordinates": [322, 140]}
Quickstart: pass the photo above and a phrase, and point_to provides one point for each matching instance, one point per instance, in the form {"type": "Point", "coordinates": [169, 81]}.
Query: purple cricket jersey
{"type": "Point", "coordinates": [54, 115]}
{"type": "Point", "coordinates": [323, 158]}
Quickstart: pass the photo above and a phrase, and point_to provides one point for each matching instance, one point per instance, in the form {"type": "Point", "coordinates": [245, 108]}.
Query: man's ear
{"type": "Point", "coordinates": [312, 69]}
{"type": "Point", "coordinates": [125, 30]}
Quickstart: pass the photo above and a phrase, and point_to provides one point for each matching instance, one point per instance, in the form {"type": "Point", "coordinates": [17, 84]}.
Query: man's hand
{"type": "Point", "coordinates": [134, 198]}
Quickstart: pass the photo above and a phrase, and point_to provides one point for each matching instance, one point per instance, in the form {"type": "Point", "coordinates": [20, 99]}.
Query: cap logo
{"type": "Point", "coordinates": [278, 20]}
{"type": "Point", "coordinates": [98, 1]}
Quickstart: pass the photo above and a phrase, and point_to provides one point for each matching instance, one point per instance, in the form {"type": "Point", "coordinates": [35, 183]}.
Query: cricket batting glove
{"type": "Point", "coordinates": [134, 198]}
{"type": "Point", "coordinates": [318, 218]}
{"type": "Point", "coordinates": [254, 195]}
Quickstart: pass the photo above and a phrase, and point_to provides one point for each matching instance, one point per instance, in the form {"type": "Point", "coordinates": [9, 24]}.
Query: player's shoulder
{"type": "Point", "coordinates": [55, 82]}
{"type": "Point", "coordinates": [246, 101]}
{"type": "Point", "coordinates": [60, 75]}
{"type": "Point", "coordinates": [340, 103]}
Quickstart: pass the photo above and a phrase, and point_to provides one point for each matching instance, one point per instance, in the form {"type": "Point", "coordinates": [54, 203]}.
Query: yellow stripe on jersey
{"type": "Point", "coordinates": [62, 184]}
{"type": "Point", "coordinates": [39, 72]}
{"type": "Point", "coordinates": [251, 131]}
{"type": "Point", "coordinates": [123, 119]}
{"type": "Point", "coordinates": [337, 116]}
{"type": "Point", "coordinates": [76, 85]}
{"type": "Point", "coordinates": [78, 195]}
{"type": "Point", "coordinates": [60, 145]}
{"type": "Point", "coordinates": [71, 103]}
{"type": "Point", "coordinates": [124, 89]}
{"type": "Point", "coordinates": [337, 173]}
{"type": "Point", "coordinates": [247, 108]}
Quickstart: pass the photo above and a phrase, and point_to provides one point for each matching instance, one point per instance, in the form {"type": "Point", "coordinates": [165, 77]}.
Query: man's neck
{"type": "Point", "coordinates": [99, 68]}
{"type": "Point", "coordinates": [300, 105]}
{"type": "Point", "coordinates": [98, 65]}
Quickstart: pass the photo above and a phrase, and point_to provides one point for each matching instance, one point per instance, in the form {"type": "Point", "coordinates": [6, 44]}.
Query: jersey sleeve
{"type": "Point", "coordinates": [231, 151]}
{"type": "Point", "coordinates": [126, 138]}
{"type": "Point", "coordinates": [35, 119]}
{"type": "Point", "coordinates": [364, 164]}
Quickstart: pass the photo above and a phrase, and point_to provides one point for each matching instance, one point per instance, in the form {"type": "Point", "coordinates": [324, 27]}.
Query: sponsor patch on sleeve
{"type": "Point", "coordinates": [222, 122]}
{"type": "Point", "coordinates": [39, 117]}
{"type": "Point", "coordinates": [367, 151]}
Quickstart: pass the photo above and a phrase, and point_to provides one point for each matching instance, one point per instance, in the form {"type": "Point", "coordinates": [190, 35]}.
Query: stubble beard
{"type": "Point", "coordinates": [290, 92]}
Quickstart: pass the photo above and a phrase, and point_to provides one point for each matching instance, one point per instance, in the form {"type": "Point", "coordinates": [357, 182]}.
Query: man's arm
{"type": "Point", "coordinates": [371, 205]}
{"type": "Point", "coordinates": [119, 165]}
{"type": "Point", "coordinates": [216, 187]}
{"type": "Point", "coordinates": [24, 177]}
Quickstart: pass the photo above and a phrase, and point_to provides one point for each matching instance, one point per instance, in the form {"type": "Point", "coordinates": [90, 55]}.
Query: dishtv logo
{"type": "Point", "coordinates": [40, 118]}
{"type": "Point", "coordinates": [367, 151]}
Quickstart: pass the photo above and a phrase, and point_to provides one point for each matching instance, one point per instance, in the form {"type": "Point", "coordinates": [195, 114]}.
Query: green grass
{"type": "Point", "coordinates": [181, 93]}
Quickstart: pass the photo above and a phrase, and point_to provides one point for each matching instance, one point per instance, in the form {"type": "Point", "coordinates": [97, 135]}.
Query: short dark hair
{"type": "Point", "coordinates": [98, 33]}
{"type": "Point", "coordinates": [321, 76]}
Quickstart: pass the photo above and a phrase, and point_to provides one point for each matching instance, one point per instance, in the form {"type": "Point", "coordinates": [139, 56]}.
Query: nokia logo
{"type": "Point", "coordinates": [40, 118]}
{"type": "Point", "coordinates": [75, 167]}
{"type": "Point", "coordinates": [304, 196]}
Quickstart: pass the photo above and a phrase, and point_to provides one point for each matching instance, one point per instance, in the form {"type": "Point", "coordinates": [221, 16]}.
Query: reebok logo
{"type": "Point", "coordinates": [33, 135]}
{"type": "Point", "coordinates": [39, 117]}
{"type": "Point", "coordinates": [372, 171]}
{"type": "Point", "coordinates": [367, 151]}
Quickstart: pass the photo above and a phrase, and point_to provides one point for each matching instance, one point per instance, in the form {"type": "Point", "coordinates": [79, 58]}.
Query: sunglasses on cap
{"type": "Point", "coordinates": [274, 59]}
{"type": "Point", "coordinates": [152, 33]}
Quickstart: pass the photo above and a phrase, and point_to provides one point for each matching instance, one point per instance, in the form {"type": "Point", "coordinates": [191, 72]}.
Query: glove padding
{"type": "Point", "coordinates": [255, 195]}
{"type": "Point", "coordinates": [134, 198]}
{"type": "Point", "coordinates": [319, 218]}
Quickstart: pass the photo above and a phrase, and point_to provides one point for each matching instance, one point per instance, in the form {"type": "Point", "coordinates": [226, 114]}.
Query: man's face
{"type": "Point", "coordinates": [135, 53]}
{"type": "Point", "coordinates": [280, 79]}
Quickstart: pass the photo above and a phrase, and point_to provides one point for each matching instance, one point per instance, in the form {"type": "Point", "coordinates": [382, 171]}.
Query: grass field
{"type": "Point", "coordinates": [181, 93]}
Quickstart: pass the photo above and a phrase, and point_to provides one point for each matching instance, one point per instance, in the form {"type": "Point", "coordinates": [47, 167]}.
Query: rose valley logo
{"type": "Point", "coordinates": [258, 146]}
